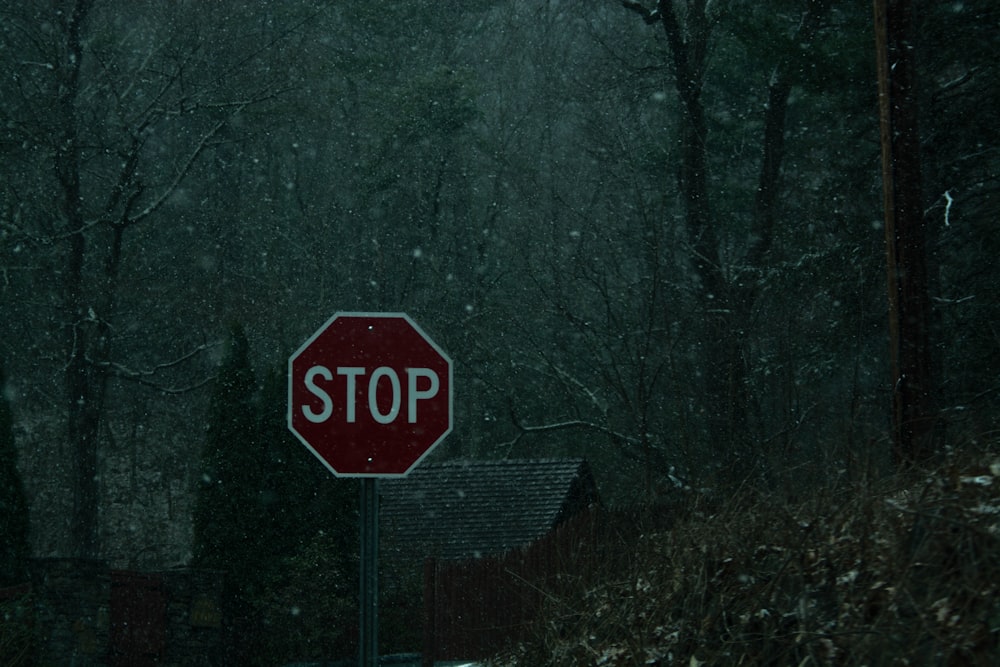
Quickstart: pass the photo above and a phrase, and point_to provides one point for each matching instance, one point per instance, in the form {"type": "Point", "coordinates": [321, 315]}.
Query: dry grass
{"type": "Point", "coordinates": [905, 573]}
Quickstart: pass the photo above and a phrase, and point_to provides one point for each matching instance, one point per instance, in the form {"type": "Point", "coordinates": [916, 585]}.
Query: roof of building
{"type": "Point", "coordinates": [468, 509]}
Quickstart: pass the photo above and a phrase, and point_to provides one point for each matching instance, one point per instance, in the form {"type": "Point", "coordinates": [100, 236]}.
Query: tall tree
{"type": "Point", "coordinates": [14, 519]}
{"type": "Point", "coordinates": [909, 303]}
{"type": "Point", "coordinates": [727, 289]}
{"type": "Point", "coordinates": [228, 516]}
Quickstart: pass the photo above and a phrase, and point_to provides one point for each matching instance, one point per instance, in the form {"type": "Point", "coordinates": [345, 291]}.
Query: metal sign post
{"type": "Point", "coordinates": [370, 395]}
{"type": "Point", "coordinates": [368, 636]}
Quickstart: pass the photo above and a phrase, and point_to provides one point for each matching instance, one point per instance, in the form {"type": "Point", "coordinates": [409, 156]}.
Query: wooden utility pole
{"type": "Point", "coordinates": [909, 305]}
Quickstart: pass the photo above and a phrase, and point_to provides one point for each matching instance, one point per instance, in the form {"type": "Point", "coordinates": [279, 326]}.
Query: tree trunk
{"type": "Point", "coordinates": [909, 305]}
{"type": "Point", "coordinates": [83, 406]}
{"type": "Point", "coordinates": [725, 398]}
{"type": "Point", "coordinates": [728, 300]}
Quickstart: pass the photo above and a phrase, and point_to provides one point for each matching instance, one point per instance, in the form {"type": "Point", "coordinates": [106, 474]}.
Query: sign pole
{"type": "Point", "coordinates": [370, 395]}
{"type": "Point", "coordinates": [368, 635]}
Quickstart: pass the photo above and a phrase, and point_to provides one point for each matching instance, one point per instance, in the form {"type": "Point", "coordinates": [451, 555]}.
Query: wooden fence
{"type": "Point", "coordinates": [138, 632]}
{"type": "Point", "coordinates": [476, 608]}
{"type": "Point", "coordinates": [82, 612]}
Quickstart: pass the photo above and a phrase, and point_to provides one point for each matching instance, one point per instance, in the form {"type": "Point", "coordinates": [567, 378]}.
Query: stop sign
{"type": "Point", "coordinates": [369, 394]}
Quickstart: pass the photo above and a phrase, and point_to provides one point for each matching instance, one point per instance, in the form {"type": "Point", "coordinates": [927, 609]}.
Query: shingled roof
{"type": "Point", "coordinates": [469, 509]}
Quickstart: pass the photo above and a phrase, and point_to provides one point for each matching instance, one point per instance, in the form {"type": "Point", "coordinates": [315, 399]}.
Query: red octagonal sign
{"type": "Point", "coordinates": [370, 394]}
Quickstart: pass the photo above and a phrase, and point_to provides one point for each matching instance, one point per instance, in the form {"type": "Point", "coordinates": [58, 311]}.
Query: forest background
{"type": "Point", "coordinates": [517, 176]}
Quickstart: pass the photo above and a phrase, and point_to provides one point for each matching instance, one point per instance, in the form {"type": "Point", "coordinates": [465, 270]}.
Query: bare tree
{"type": "Point", "coordinates": [727, 290]}
{"type": "Point", "coordinates": [122, 126]}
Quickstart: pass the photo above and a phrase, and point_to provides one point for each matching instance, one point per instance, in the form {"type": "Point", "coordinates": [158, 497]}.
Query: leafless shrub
{"type": "Point", "coordinates": [904, 572]}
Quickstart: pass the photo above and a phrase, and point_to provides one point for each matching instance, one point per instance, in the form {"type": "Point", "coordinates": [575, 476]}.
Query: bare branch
{"type": "Point", "coordinates": [526, 429]}
{"type": "Point", "coordinates": [235, 108]}
{"type": "Point", "coordinates": [163, 389]}
{"type": "Point", "coordinates": [649, 16]}
{"type": "Point", "coordinates": [144, 376]}
{"type": "Point", "coordinates": [179, 177]}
